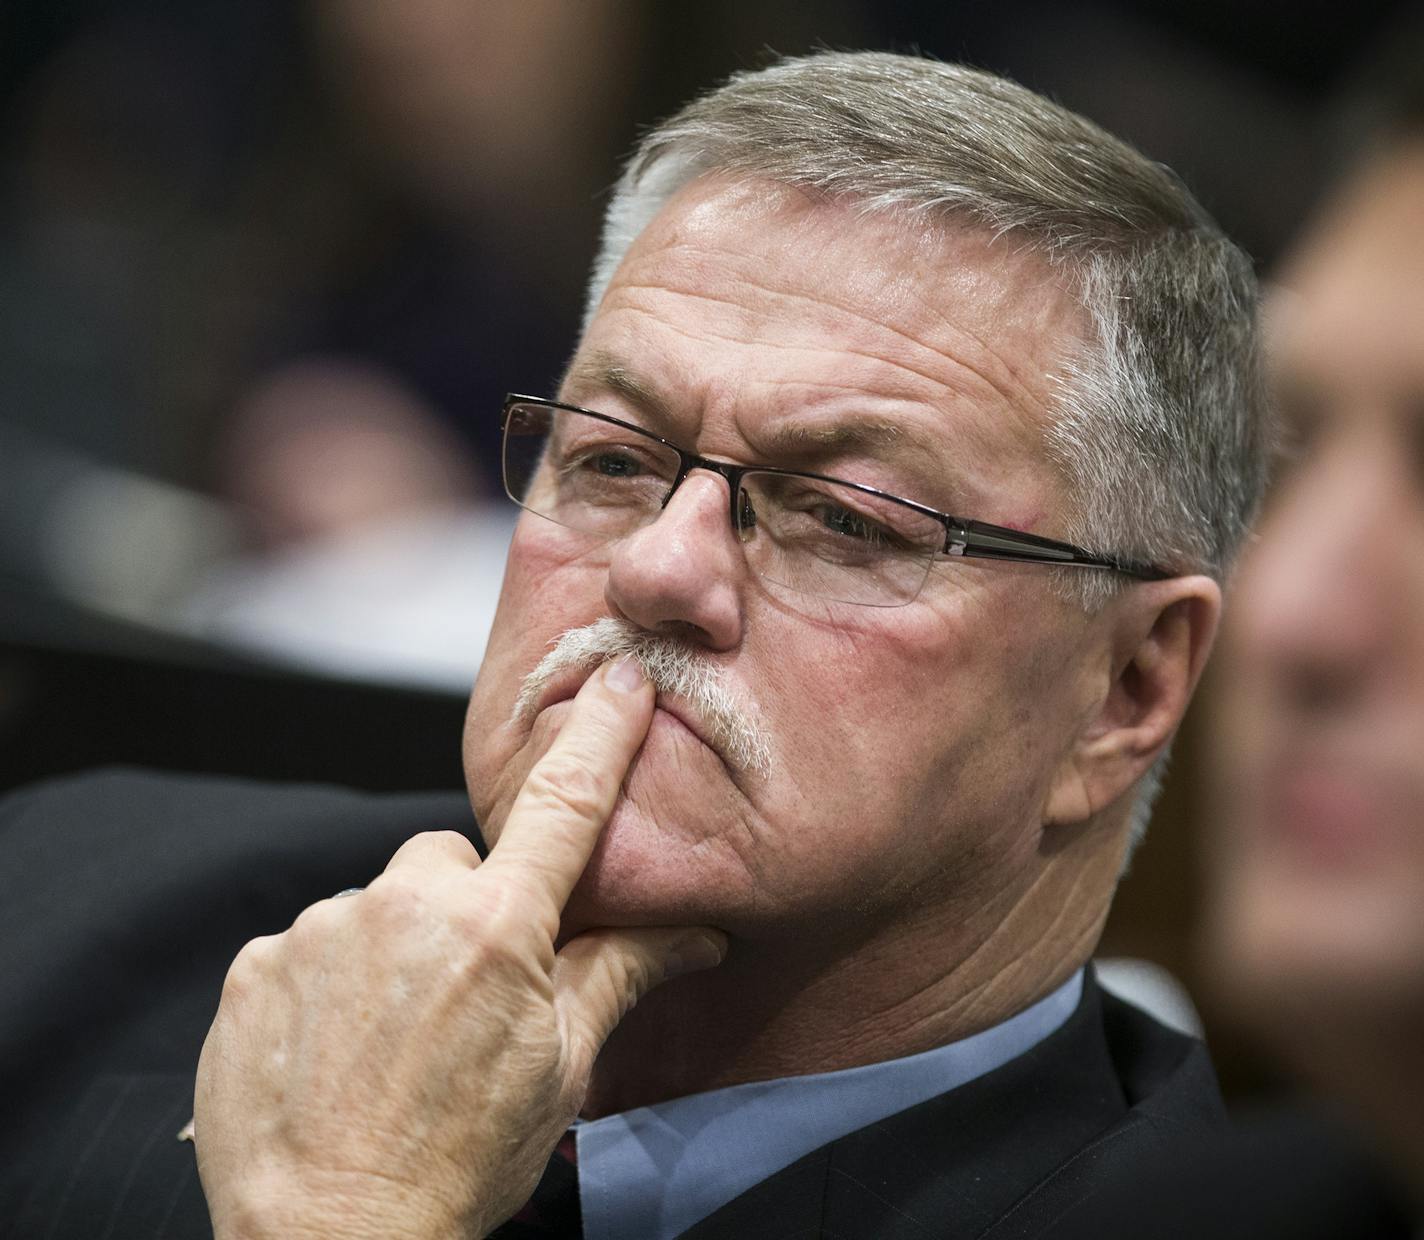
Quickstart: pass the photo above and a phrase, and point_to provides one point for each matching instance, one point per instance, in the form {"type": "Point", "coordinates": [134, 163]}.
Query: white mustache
{"type": "Point", "coordinates": [675, 669]}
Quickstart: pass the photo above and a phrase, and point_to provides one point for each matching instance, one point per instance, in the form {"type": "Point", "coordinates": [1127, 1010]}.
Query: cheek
{"type": "Point", "coordinates": [550, 586]}
{"type": "Point", "coordinates": [546, 591]}
{"type": "Point", "coordinates": [895, 709]}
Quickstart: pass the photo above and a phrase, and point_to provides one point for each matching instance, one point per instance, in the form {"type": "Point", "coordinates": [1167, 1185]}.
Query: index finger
{"type": "Point", "coordinates": [557, 817]}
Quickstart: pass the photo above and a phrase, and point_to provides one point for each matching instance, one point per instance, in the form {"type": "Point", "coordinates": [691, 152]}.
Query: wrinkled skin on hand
{"type": "Point", "coordinates": [402, 1062]}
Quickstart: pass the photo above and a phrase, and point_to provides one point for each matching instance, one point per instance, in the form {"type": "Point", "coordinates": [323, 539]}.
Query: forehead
{"type": "Point", "coordinates": [760, 317]}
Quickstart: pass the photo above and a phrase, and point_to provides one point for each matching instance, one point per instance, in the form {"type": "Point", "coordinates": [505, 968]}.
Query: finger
{"type": "Point", "coordinates": [434, 850]}
{"type": "Point", "coordinates": [557, 816]}
{"type": "Point", "coordinates": [601, 974]}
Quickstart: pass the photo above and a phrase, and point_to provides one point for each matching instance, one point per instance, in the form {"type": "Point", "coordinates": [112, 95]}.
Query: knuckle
{"type": "Point", "coordinates": [514, 913]}
{"type": "Point", "coordinates": [627, 979]}
{"type": "Point", "coordinates": [311, 922]}
{"type": "Point", "coordinates": [493, 956]}
{"type": "Point", "coordinates": [393, 901]}
{"type": "Point", "coordinates": [447, 843]}
{"type": "Point", "coordinates": [566, 783]}
{"type": "Point", "coordinates": [496, 922]}
{"type": "Point", "coordinates": [582, 1043]}
{"type": "Point", "coordinates": [249, 968]}
{"type": "Point", "coordinates": [617, 980]}
{"type": "Point", "coordinates": [499, 939]}
{"type": "Point", "coordinates": [602, 731]}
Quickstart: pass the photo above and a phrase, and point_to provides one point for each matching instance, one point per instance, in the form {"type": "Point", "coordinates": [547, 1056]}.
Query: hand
{"type": "Point", "coordinates": [401, 1063]}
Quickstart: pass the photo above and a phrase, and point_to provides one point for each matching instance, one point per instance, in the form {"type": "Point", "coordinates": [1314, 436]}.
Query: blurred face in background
{"type": "Point", "coordinates": [507, 108]}
{"type": "Point", "coordinates": [1320, 866]}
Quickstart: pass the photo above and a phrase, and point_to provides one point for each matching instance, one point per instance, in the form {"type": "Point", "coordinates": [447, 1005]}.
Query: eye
{"type": "Point", "coordinates": [837, 523]}
{"type": "Point", "coordinates": [606, 461]}
{"type": "Point", "coordinates": [1303, 412]}
{"type": "Point", "coordinates": [615, 464]}
{"type": "Point", "coordinates": [855, 525]}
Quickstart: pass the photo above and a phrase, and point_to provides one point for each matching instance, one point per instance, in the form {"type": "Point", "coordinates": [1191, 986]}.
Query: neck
{"type": "Point", "coordinates": [797, 1005]}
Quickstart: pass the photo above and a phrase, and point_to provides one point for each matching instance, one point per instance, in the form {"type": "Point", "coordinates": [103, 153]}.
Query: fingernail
{"type": "Point", "coordinates": [701, 951]}
{"type": "Point", "coordinates": [626, 674]}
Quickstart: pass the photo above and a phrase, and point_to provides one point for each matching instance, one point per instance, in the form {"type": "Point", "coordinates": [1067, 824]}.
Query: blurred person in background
{"type": "Point", "coordinates": [259, 272]}
{"type": "Point", "coordinates": [378, 553]}
{"type": "Point", "coordinates": [218, 226]}
{"type": "Point", "coordinates": [357, 460]}
{"type": "Point", "coordinates": [1317, 923]}
{"type": "Point", "coordinates": [1314, 929]}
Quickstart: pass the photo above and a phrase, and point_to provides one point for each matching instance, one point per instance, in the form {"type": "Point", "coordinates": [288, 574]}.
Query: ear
{"type": "Point", "coordinates": [1157, 636]}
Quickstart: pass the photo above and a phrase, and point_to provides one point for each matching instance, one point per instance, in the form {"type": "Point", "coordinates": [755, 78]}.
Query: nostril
{"type": "Point", "coordinates": [684, 630]}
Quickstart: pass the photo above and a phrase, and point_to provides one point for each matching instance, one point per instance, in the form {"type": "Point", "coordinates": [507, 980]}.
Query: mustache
{"type": "Point", "coordinates": [675, 668]}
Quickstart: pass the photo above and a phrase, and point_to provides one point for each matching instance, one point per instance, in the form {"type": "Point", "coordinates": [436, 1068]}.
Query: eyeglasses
{"type": "Point", "coordinates": [801, 531]}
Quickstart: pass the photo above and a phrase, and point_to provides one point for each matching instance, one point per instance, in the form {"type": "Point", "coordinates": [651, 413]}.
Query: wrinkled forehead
{"type": "Point", "coordinates": [862, 256]}
{"type": "Point", "coordinates": [757, 295]}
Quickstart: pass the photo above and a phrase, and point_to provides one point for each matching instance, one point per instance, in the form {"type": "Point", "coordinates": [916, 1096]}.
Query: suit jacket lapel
{"type": "Point", "coordinates": [954, 1165]}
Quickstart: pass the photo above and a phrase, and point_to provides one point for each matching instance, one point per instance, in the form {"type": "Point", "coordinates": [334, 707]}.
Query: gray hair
{"type": "Point", "coordinates": [1159, 427]}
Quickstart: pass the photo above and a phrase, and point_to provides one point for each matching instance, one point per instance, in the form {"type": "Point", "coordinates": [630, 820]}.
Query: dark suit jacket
{"type": "Point", "coordinates": [123, 897]}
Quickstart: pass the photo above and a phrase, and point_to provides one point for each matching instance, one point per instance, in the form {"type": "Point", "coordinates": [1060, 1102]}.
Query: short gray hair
{"type": "Point", "coordinates": [1159, 427]}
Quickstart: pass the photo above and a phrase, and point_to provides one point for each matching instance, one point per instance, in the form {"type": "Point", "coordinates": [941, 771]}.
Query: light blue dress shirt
{"type": "Point", "coordinates": [653, 1172]}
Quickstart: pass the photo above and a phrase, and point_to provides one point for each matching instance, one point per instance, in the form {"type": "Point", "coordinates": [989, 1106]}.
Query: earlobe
{"type": "Point", "coordinates": [1159, 635]}
{"type": "Point", "coordinates": [1069, 800]}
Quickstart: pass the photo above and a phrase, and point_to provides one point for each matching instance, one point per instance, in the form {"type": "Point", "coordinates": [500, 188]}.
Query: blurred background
{"type": "Point", "coordinates": [266, 270]}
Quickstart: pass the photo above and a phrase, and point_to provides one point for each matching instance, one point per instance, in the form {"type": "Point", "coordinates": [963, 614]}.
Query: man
{"type": "Point", "coordinates": [1318, 924]}
{"type": "Point", "coordinates": [854, 778]}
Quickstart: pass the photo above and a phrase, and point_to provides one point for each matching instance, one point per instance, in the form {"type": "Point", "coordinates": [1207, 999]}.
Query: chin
{"type": "Point", "coordinates": [639, 875]}
{"type": "Point", "coordinates": [669, 855]}
{"type": "Point", "coordinates": [1283, 947]}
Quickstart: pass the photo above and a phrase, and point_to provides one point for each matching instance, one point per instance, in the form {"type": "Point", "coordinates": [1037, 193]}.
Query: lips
{"type": "Point", "coordinates": [565, 686]}
{"type": "Point", "coordinates": [1332, 813]}
{"type": "Point", "coordinates": [562, 688]}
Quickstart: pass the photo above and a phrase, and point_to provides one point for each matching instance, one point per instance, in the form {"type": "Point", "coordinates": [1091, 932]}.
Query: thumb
{"type": "Point", "coordinates": [602, 973]}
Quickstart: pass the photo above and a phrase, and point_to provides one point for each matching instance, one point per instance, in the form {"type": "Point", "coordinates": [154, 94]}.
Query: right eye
{"type": "Point", "coordinates": [611, 472]}
{"type": "Point", "coordinates": [607, 460]}
{"type": "Point", "coordinates": [612, 463]}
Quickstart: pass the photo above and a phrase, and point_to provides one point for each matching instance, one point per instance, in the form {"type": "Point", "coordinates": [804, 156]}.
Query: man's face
{"type": "Point", "coordinates": [911, 748]}
{"type": "Point", "coordinates": [1321, 869]}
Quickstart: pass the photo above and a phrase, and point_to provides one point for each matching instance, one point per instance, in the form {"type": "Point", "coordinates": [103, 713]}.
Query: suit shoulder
{"type": "Point", "coordinates": [122, 843]}
{"type": "Point", "coordinates": [1166, 1075]}
{"type": "Point", "coordinates": [134, 808]}
{"type": "Point", "coordinates": [136, 789]}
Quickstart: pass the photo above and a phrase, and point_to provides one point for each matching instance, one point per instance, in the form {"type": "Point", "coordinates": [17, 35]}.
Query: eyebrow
{"type": "Point", "coordinates": [604, 371]}
{"type": "Point", "coordinates": [840, 436]}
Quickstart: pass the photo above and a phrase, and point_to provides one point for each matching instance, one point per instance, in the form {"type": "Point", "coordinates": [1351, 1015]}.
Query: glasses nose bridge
{"type": "Point", "coordinates": [688, 461]}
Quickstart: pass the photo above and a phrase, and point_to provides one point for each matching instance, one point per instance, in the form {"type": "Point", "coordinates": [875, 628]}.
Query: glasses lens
{"type": "Point", "coordinates": [837, 542]}
{"type": "Point", "coordinates": [584, 472]}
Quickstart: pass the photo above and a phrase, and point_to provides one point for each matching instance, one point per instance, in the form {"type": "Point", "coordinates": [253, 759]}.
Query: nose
{"type": "Point", "coordinates": [684, 574]}
{"type": "Point", "coordinates": [1323, 593]}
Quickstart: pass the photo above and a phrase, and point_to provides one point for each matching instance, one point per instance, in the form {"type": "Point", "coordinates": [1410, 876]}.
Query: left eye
{"type": "Point", "coordinates": [615, 465]}
{"type": "Point", "coordinates": [852, 524]}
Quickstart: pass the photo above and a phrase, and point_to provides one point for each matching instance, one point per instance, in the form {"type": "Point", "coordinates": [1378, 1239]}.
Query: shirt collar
{"type": "Point", "coordinates": [655, 1171]}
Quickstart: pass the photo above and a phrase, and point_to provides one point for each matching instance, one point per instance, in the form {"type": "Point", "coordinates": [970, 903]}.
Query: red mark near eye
{"type": "Point", "coordinates": [1024, 525]}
